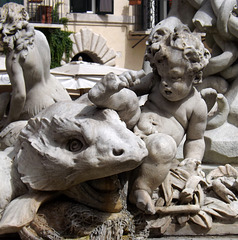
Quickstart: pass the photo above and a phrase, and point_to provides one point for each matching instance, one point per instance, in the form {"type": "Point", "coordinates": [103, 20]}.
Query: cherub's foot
{"type": "Point", "coordinates": [144, 201]}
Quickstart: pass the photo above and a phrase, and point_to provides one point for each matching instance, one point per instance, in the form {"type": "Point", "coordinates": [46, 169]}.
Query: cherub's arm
{"type": "Point", "coordinates": [18, 98]}
{"type": "Point", "coordinates": [112, 92]}
{"type": "Point", "coordinates": [194, 146]}
{"type": "Point", "coordinates": [145, 85]}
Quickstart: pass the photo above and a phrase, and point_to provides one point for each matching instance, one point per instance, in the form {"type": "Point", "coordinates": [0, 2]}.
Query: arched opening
{"type": "Point", "coordinates": [82, 57]}
{"type": "Point", "coordinates": [91, 47]}
{"type": "Point", "coordinates": [86, 57]}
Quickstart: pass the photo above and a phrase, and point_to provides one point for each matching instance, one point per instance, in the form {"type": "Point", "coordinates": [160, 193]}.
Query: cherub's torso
{"type": "Point", "coordinates": [33, 66]}
{"type": "Point", "coordinates": [160, 115]}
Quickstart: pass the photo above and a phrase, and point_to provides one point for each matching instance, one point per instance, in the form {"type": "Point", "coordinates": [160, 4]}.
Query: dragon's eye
{"type": "Point", "coordinates": [75, 145]}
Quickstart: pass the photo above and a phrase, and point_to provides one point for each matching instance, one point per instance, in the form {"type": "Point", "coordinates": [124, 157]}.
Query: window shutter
{"type": "Point", "coordinates": [104, 6]}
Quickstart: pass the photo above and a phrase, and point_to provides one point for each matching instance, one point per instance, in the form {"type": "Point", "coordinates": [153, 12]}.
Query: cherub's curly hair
{"type": "Point", "coordinates": [163, 41]}
{"type": "Point", "coordinates": [13, 20]}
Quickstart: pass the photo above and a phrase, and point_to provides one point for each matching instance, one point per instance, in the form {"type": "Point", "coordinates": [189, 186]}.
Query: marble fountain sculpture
{"type": "Point", "coordinates": [217, 20]}
{"type": "Point", "coordinates": [28, 66]}
{"type": "Point", "coordinates": [102, 167]}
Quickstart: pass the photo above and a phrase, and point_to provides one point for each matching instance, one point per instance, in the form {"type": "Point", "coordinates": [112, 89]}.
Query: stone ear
{"type": "Point", "coordinates": [198, 78]}
{"type": "Point", "coordinates": [191, 54]}
{"type": "Point", "coordinates": [25, 14]}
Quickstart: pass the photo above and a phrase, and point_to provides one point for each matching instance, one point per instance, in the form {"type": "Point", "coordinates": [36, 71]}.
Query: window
{"type": "Point", "coordinates": [150, 12]}
{"type": "Point", "coordinates": [2, 2]}
{"type": "Point", "coordinates": [104, 6]}
{"type": "Point", "coordinates": [81, 6]}
{"type": "Point", "coordinates": [95, 6]}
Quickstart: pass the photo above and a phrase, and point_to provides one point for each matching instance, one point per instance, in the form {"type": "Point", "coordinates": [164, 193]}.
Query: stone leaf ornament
{"type": "Point", "coordinates": [188, 196]}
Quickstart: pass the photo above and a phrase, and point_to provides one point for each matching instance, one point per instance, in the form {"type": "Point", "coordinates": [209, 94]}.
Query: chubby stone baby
{"type": "Point", "coordinates": [174, 107]}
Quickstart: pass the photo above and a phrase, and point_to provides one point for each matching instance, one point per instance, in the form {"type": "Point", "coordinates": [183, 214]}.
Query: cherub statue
{"type": "Point", "coordinates": [28, 65]}
{"type": "Point", "coordinates": [218, 21]}
{"type": "Point", "coordinates": [174, 107]}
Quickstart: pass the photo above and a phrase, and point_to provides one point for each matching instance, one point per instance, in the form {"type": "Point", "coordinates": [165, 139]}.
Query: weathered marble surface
{"type": "Point", "coordinates": [103, 167]}
{"type": "Point", "coordinates": [58, 150]}
{"type": "Point", "coordinates": [42, 154]}
{"type": "Point", "coordinates": [174, 107]}
{"type": "Point", "coordinates": [217, 19]}
{"type": "Point", "coordinates": [28, 66]}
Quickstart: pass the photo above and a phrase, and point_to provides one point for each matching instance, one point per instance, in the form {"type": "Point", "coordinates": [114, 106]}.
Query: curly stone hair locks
{"type": "Point", "coordinates": [163, 41]}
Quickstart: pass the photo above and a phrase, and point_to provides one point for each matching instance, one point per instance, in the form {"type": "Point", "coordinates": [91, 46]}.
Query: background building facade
{"type": "Point", "coordinates": [104, 31]}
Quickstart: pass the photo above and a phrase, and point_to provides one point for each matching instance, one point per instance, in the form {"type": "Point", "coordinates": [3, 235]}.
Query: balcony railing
{"type": "Point", "coordinates": [150, 12]}
{"type": "Point", "coordinates": [45, 11]}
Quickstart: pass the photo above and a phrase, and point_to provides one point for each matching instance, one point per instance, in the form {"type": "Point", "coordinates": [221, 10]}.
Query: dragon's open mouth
{"type": "Point", "coordinates": [105, 185]}
{"type": "Point", "coordinates": [105, 194]}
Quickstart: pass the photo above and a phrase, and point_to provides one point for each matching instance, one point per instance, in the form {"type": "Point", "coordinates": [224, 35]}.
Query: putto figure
{"type": "Point", "coordinates": [28, 65]}
{"type": "Point", "coordinates": [174, 107]}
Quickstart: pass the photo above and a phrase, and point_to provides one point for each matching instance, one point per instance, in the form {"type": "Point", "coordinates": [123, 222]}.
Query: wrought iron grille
{"type": "Point", "coordinates": [45, 11]}
{"type": "Point", "coordinates": [150, 12]}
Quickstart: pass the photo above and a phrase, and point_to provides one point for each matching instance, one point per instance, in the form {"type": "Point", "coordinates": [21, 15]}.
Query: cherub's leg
{"type": "Point", "coordinates": [162, 150]}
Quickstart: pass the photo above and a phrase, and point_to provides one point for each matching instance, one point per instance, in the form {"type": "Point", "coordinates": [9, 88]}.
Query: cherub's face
{"type": "Point", "coordinates": [176, 82]}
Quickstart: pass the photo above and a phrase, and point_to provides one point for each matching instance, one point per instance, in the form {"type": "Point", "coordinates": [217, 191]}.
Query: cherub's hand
{"type": "Point", "coordinates": [111, 83]}
{"type": "Point", "coordinates": [131, 78]}
{"type": "Point", "coordinates": [101, 91]}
